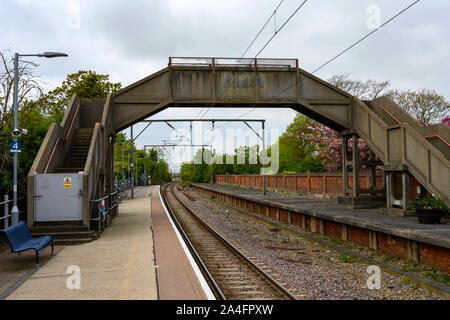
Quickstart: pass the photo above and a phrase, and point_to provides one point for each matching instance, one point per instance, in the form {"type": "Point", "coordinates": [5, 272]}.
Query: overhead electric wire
{"type": "Point", "coordinates": [342, 52]}
{"type": "Point", "coordinates": [267, 43]}
{"type": "Point", "coordinates": [365, 37]}
{"type": "Point", "coordinates": [248, 48]}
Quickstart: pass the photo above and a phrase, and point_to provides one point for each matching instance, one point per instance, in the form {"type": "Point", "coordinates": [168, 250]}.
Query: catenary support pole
{"type": "Point", "coordinates": [264, 156]}
{"type": "Point", "coordinates": [132, 164]}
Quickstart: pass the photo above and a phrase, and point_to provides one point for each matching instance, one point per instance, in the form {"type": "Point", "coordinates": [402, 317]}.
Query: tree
{"type": "Point", "coordinates": [29, 86]}
{"type": "Point", "coordinates": [86, 84]}
{"type": "Point", "coordinates": [295, 151]}
{"type": "Point", "coordinates": [425, 105]}
{"type": "Point", "coordinates": [37, 111]}
{"type": "Point", "coordinates": [364, 90]}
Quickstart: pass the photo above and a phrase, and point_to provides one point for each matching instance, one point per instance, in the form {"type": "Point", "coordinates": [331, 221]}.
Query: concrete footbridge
{"type": "Point", "coordinates": [79, 150]}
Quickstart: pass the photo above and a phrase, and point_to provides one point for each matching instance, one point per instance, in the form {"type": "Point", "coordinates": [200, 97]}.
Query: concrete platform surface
{"type": "Point", "coordinates": [178, 278]}
{"type": "Point", "coordinates": [406, 227]}
{"type": "Point", "coordinates": [119, 265]}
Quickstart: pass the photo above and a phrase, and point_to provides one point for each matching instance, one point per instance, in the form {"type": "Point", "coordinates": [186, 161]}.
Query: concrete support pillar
{"type": "Point", "coordinates": [321, 226]}
{"type": "Point", "coordinates": [373, 240]}
{"type": "Point", "coordinates": [356, 166]}
{"type": "Point", "coordinates": [313, 224]}
{"type": "Point", "coordinates": [392, 185]}
{"type": "Point", "coordinates": [412, 248]}
{"type": "Point", "coordinates": [344, 232]}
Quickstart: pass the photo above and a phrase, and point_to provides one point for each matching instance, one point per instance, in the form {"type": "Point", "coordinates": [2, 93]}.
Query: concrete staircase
{"type": "Point", "coordinates": [68, 233]}
{"type": "Point", "coordinates": [76, 157]}
{"type": "Point", "coordinates": [64, 233]}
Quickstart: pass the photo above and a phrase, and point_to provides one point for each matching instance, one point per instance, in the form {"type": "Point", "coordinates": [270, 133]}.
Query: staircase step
{"type": "Point", "coordinates": [55, 227]}
{"type": "Point", "coordinates": [78, 151]}
{"type": "Point", "coordinates": [66, 235]}
{"type": "Point", "coordinates": [71, 242]}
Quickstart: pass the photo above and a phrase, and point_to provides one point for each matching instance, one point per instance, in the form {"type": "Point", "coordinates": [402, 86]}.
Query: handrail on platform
{"type": "Point", "coordinates": [109, 202]}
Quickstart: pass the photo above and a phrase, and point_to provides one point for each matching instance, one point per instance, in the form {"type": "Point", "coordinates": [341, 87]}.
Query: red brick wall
{"type": "Point", "coordinates": [333, 229]}
{"type": "Point", "coordinates": [392, 245]}
{"type": "Point", "coordinates": [435, 256]}
{"type": "Point", "coordinates": [273, 212]}
{"type": "Point", "coordinates": [308, 223]}
{"type": "Point", "coordinates": [284, 215]}
{"type": "Point", "coordinates": [296, 218]}
{"type": "Point", "coordinates": [291, 183]}
{"type": "Point", "coordinates": [316, 183]}
{"type": "Point", "coordinates": [358, 235]}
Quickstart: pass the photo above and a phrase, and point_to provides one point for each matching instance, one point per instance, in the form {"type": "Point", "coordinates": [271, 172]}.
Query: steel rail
{"type": "Point", "coordinates": [278, 286]}
{"type": "Point", "coordinates": [204, 269]}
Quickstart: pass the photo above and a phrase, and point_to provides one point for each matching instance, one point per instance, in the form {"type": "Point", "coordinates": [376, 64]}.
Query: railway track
{"type": "Point", "coordinates": [230, 274]}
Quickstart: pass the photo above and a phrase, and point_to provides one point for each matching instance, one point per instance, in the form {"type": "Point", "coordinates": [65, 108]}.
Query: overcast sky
{"type": "Point", "coordinates": [132, 39]}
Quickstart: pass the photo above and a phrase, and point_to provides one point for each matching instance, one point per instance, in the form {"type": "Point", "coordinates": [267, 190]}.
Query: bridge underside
{"type": "Point", "coordinates": [401, 146]}
{"type": "Point", "coordinates": [226, 87]}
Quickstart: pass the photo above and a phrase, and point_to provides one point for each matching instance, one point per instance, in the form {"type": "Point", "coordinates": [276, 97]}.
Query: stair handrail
{"type": "Point", "coordinates": [66, 137]}
{"type": "Point", "coordinates": [426, 137]}
{"type": "Point", "coordinates": [96, 158]}
{"type": "Point", "coordinates": [406, 128]}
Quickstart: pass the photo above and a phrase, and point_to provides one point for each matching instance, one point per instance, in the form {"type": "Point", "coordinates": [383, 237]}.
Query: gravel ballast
{"type": "Point", "coordinates": [307, 268]}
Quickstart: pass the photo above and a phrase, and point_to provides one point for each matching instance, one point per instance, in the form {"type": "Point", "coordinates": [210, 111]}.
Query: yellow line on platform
{"type": "Point", "coordinates": [126, 282]}
{"type": "Point", "coordinates": [148, 191]}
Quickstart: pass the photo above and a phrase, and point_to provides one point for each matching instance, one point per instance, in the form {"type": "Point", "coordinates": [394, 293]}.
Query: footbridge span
{"type": "Point", "coordinates": [80, 148]}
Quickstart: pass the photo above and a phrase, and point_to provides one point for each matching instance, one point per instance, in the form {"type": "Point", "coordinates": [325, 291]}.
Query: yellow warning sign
{"type": "Point", "coordinates": [67, 182]}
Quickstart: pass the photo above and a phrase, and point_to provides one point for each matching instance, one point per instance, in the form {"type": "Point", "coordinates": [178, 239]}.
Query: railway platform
{"type": "Point", "coordinates": [139, 256]}
{"type": "Point", "coordinates": [399, 236]}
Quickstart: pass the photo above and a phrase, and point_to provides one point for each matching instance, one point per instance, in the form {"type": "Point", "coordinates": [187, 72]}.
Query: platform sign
{"type": "Point", "coordinates": [15, 146]}
{"type": "Point", "coordinates": [67, 182]}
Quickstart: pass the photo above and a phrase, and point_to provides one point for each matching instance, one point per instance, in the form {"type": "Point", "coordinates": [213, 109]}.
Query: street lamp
{"type": "Point", "coordinates": [17, 132]}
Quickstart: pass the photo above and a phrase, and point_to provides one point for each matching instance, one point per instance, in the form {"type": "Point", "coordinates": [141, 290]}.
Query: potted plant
{"type": "Point", "coordinates": [429, 209]}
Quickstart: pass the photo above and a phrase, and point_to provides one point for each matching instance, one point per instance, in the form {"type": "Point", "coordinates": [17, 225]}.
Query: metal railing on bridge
{"type": "Point", "coordinates": [233, 62]}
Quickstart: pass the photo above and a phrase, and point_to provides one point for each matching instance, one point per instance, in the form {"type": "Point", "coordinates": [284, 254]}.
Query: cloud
{"type": "Point", "coordinates": [131, 39]}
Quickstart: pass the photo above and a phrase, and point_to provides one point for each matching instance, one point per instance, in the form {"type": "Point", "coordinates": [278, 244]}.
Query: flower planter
{"type": "Point", "coordinates": [429, 216]}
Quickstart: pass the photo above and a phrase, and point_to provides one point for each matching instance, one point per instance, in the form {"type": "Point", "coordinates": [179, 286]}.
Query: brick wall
{"type": "Point", "coordinates": [308, 183]}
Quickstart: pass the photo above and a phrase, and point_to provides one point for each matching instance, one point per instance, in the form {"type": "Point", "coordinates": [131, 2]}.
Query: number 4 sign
{"type": "Point", "coordinates": [15, 146]}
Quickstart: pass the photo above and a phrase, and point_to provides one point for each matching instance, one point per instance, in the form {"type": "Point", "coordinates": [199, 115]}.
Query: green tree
{"type": "Point", "coordinates": [86, 84]}
{"type": "Point", "coordinates": [426, 106]}
{"type": "Point", "coordinates": [37, 111]}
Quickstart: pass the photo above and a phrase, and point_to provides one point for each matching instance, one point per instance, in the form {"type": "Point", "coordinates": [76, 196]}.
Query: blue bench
{"type": "Point", "coordinates": [20, 239]}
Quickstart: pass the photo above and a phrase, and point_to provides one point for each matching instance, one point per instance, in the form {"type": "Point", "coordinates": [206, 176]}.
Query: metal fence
{"type": "Point", "coordinates": [6, 214]}
{"type": "Point", "coordinates": [106, 207]}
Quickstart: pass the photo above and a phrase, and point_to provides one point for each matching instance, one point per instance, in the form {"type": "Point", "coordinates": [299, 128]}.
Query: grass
{"type": "Point", "coordinates": [412, 267]}
{"type": "Point", "coordinates": [389, 259]}
{"type": "Point", "coordinates": [437, 276]}
{"type": "Point", "coordinates": [336, 241]}
{"type": "Point", "coordinates": [345, 258]}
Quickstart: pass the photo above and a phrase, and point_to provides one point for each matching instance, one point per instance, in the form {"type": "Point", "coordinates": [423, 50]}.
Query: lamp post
{"type": "Point", "coordinates": [17, 132]}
